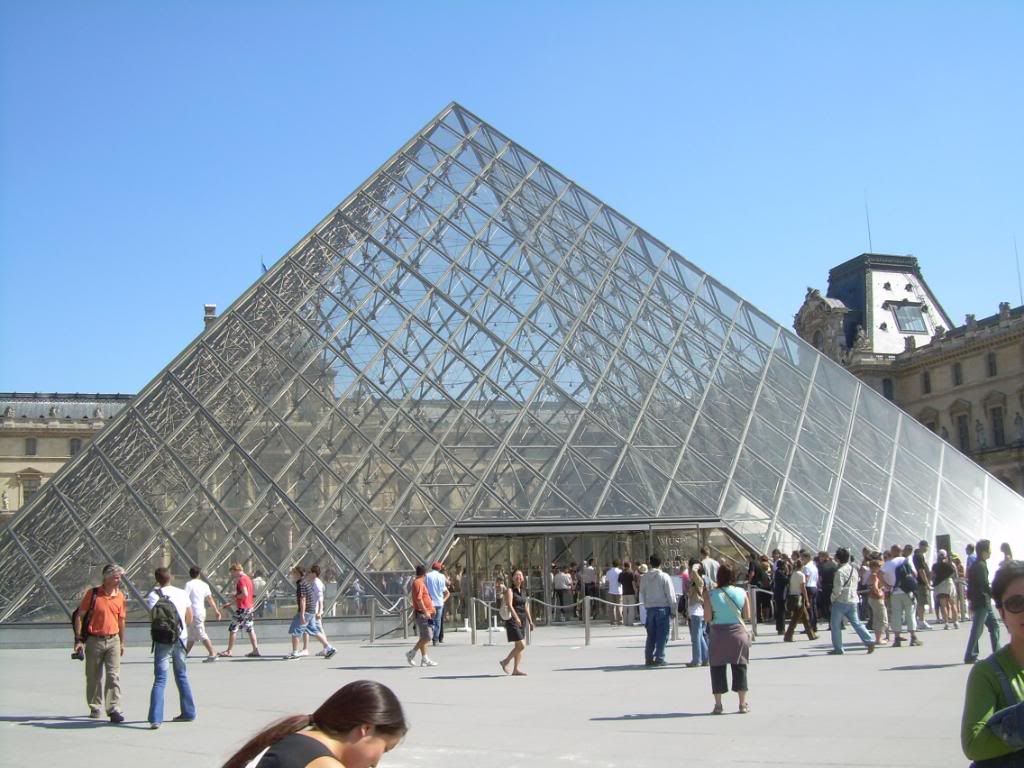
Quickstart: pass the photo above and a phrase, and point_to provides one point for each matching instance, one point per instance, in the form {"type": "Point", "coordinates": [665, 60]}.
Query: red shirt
{"type": "Point", "coordinates": [243, 592]}
{"type": "Point", "coordinates": [107, 615]}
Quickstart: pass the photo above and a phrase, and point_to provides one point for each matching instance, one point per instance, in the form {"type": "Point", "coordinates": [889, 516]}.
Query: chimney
{"type": "Point", "coordinates": [209, 314]}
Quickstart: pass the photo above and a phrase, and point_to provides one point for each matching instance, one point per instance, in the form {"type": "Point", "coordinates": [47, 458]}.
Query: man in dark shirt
{"type": "Point", "coordinates": [922, 568]}
{"type": "Point", "coordinates": [826, 575]}
{"type": "Point", "coordinates": [627, 579]}
{"type": "Point", "coordinates": [979, 597]}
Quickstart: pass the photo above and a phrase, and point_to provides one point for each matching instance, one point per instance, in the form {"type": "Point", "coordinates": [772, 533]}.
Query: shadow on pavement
{"type": "Point", "coordinates": [652, 716]}
{"type": "Point", "coordinates": [65, 723]}
{"type": "Point", "coordinates": [379, 666]}
{"type": "Point", "coordinates": [463, 677]}
{"type": "Point", "coordinates": [916, 667]}
{"type": "Point", "coordinates": [619, 668]}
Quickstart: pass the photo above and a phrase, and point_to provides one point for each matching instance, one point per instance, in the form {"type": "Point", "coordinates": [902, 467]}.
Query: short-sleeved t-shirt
{"type": "Point", "coordinates": [627, 582]}
{"type": "Point", "coordinates": [107, 613]}
{"type": "Point", "coordinates": [722, 612]}
{"type": "Point", "coordinates": [177, 596]}
{"type": "Point", "coordinates": [811, 574]}
{"type": "Point", "coordinates": [436, 585]}
{"type": "Point", "coordinates": [421, 602]}
{"type": "Point", "coordinates": [316, 594]}
{"type": "Point", "coordinates": [614, 586]}
{"type": "Point", "coordinates": [243, 600]}
{"type": "Point", "coordinates": [198, 591]}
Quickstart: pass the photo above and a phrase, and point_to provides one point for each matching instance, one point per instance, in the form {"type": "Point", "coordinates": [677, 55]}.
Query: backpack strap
{"type": "Point", "coordinates": [1004, 682]}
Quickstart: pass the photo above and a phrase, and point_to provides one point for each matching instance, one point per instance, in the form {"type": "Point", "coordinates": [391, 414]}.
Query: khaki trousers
{"type": "Point", "coordinates": [103, 655]}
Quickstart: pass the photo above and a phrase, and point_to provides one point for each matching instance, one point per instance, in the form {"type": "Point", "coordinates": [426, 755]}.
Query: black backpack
{"type": "Point", "coordinates": [906, 578]}
{"type": "Point", "coordinates": [83, 632]}
{"type": "Point", "coordinates": [165, 626]}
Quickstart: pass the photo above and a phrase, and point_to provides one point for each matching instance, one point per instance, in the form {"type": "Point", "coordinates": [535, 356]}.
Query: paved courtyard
{"type": "Point", "coordinates": [595, 705]}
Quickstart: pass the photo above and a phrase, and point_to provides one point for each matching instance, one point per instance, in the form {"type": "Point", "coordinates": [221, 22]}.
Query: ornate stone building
{"type": "Point", "coordinates": [880, 319]}
{"type": "Point", "coordinates": [39, 433]}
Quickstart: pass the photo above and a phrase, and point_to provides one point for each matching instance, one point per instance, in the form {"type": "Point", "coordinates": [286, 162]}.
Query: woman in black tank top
{"type": "Point", "coordinates": [354, 728]}
{"type": "Point", "coordinates": [516, 624]}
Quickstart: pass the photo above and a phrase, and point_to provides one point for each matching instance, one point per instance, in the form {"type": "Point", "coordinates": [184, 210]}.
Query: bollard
{"type": "Point", "coordinates": [472, 621]}
{"type": "Point", "coordinates": [675, 625]}
{"type": "Point", "coordinates": [405, 617]}
{"type": "Point", "coordinates": [586, 620]}
{"type": "Point", "coordinates": [373, 619]}
{"type": "Point", "coordinates": [526, 629]}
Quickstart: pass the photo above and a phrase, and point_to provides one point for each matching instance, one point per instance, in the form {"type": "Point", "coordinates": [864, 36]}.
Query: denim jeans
{"type": "Point", "coordinates": [698, 640]}
{"type": "Point", "coordinates": [657, 634]}
{"type": "Point", "coordinates": [436, 623]}
{"type": "Point", "coordinates": [847, 611]}
{"type": "Point", "coordinates": [981, 618]}
{"type": "Point", "coordinates": [164, 653]}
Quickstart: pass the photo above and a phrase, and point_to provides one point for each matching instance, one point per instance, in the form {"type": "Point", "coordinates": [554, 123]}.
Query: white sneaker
{"type": "Point", "coordinates": [956, 625]}
{"type": "Point", "coordinates": [320, 653]}
{"type": "Point", "coordinates": [411, 657]}
{"type": "Point", "coordinates": [428, 662]}
{"type": "Point", "coordinates": [302, 653]}
{"type": "Point", "coordinates": [292, 655]}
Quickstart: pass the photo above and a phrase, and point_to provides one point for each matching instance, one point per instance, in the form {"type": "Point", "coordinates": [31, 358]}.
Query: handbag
{"type": "Point", "coordinates": [505, 610]}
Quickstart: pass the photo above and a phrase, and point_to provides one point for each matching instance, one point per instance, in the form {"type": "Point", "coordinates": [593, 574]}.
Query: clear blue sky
{"type": "Point", "coordinates": [152, 153]}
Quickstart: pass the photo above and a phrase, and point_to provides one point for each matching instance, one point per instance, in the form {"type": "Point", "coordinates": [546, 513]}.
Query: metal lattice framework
{"type": "Point", "coordinates": [471, 336]}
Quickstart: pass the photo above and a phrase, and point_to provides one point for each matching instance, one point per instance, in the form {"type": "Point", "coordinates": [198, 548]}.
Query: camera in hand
{"type": "Point", "coordinates": [78, 654]}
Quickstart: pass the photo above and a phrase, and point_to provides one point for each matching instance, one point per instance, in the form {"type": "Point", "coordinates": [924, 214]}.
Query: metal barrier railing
{"type": "Point", "coordinates": [587, 616]}
{"type": "Point", "coordinates": [752, 600]}
{"type": "Point", "coordinates": [402, 613]}
{"type": "Point", "coordinates": [492, 620]}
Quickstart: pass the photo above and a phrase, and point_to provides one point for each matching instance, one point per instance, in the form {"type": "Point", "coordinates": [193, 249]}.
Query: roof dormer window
{"type": "Point", "coordinates": [909, 316]}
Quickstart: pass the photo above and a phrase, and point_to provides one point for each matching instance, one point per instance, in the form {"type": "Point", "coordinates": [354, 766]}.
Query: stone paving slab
{"type": "Point", "coordinates": [595, 705]}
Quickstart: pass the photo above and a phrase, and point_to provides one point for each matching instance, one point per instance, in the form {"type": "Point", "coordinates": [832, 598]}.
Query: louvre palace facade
{"type": "Point", "coordinates": [473, 359]}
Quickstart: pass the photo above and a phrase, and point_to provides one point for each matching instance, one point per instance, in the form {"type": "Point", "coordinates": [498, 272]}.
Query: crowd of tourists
{"type": "Point", "coordinates": [884, 598]}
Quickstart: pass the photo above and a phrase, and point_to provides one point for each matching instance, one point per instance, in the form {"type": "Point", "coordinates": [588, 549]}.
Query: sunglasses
{"type": "Point", "coordinates": [1014, 604]}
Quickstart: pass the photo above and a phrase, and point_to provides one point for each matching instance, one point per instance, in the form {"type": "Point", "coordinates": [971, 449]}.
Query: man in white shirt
{"type": "Point", "coordinates": [315, 625]}
{"type": "Point", "coordinates": [710, 566]}
{"type": "Point", "coordinates": [199, 594]}
{"type": "Point", "coordinates": [658, 597]}
{"type": "Point", "coordinates": [811, 575]}
{"type": "Point", "coordinates": [843, 605]}
{"type": "Point", "coordinates": [902, 601]}
{"type": "Point", "coordinates": [614, 592]}
{"type": "Point", "coordinates": [561, 583]}
{"type": "Point", "coordinates": [163, 592]}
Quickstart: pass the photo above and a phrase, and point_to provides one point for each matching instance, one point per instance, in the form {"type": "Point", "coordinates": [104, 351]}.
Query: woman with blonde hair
{"type": "Point", "coordinates": [354, 728]}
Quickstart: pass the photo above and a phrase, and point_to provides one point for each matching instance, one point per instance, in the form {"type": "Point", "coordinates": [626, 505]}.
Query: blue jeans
{"type": "Point", "coordinates": [657, 634]}
{"type": "Point", "coordinates": [162, 654]}
{"type": "Point", "coordinates": [436, 622]}
{"type": "Point", "coordinates": [698, 640]}
{"type": "Point", "coordinates": [847, 611]}
{"type": "Point", "coordinates": [982, 617]}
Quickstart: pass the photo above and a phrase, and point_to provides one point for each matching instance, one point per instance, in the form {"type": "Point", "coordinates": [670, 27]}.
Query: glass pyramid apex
{"type": "Point", "coordinates": [470, 336]}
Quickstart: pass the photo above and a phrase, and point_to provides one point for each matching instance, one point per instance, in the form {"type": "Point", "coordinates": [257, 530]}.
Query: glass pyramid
{"type": "Point", "coordinates": [470, 336]}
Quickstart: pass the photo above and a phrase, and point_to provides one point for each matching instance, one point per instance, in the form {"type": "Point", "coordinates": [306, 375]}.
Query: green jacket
{"type": "Point", "coordinates": [985, 697]}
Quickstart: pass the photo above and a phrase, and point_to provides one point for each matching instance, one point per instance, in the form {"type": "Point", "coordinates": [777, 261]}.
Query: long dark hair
{"type": "Point", "coordinates": [363, 702]}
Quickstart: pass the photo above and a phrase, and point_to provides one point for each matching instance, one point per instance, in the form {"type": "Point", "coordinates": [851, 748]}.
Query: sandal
{"type": "Point", "coordinates": [253, 655]}
{"type": "Point", "coordinates": [744, 708]}
{"type": "Point", "coordinates": [504, 666]}
{"type": "Point", "coordinates": [224, 655]}
{"type": "Point", "coordinates": [717, 710]}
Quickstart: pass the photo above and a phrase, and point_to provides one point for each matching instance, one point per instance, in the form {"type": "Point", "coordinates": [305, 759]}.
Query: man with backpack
{"type": "Point", "coordinates": [170, 612]}
{"type": "Point", "coordinates": [99, 635]}
{"type": "Point", "coordinates": [901, 578]}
